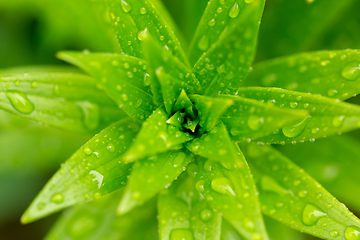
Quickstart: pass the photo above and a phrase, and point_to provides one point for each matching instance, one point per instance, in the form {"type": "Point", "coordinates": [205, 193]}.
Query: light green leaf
{"type": "Point", "coordinates": [97, 220]}
{"type": "Point", "coordinates": [334, 74]}
{"type": "Point", "coordinates": [122, 77]}
{"type": "Point", "coordinates": [210, 109]}
{"type": "Point", "coordinates": [130, 19]}
{"type": "Point", "coordinates": [331, 161]}
{"type": "Point", "coordinates": [91, 172]}
{"type": "Point", "coordinates": [292, 197]}
{"type": "Point", "coordinates": [248, 119]}
{"type": "Point", "coordinates": [326, 116]}
{"type": "Point", "coordinates": [297, 33]}
{"type": "Point", "coordinates": [156, 136]}
{"type": "Point", "coordinates": [231, 191]}
{"type": "Point", "coordinates": [59, 98]}
{"type": "Point", "coordinates": [226, 63]}
{"type": "Point", "coordinates": [150, 175]}
{"type": "Point", "coordinates": [184, 215]}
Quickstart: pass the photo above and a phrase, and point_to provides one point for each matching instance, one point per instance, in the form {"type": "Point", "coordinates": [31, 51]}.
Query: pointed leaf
{"type": "Point", "coordinates": [131, 18]}
{"type": "Point", "coordinates": [334, 74]}
{"type": "Point", "coordinates": [210, 109]}
{"type": "Point", "coordinates": [150, 175]}
{"type": "Point", "coordinates": [248, 119]}
{"type": "Point", "coordinates": [122, 77]}
{"type": "Point", "coordinates": [292, 197]}
{"type": "Point", "coordinates": [331, 161]}
{"type": "Point", "coordinates": [156, 136]}
{"type": "Point", "coordinates": [231, 191]}
{"type": "Point", "coordinates": [326, 116]}
{"type": "Point", "coordinates": [183, 215]}
{"type": "Point", "coordinates": [91, 172]}
{"type": "Point", "coordinates": [97, 220]}
{"type": "Point", "coordinates": [60, 98]}
{"type": "Point", "coordinates": [226, 63]}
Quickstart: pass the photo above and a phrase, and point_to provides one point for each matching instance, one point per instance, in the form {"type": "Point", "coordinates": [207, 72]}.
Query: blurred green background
{"type": "Point", "coordinates": [32, 31]}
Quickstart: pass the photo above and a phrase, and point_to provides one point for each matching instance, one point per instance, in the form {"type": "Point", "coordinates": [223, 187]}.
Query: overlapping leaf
{"type": "Point", "coordinates": [184, 215]}
{"type": "Point", "coordinates": [93, 171]}
{"type": "Point", "coordinates": [58, 97]}
{"type": "Point", "coordinates": [156, 136]}
{"type": "Point", "coordinates": [292, 197]}
{"type": "Point", "coordinates": [326, 116]}
{"type": "Point", "coordinates": [130, 19]}
{"type": "Point", "coordinates": [248, 119]}
{"type": "Point", "coordinates": [225, 64]}
{"type": "Point", "coordinates": [122, 77]}
{"type": "Point", "coordinates": [334, 74]}
{"type": "Point", "coordinates": [98, 220]}
{"type": "Point", "coordinates": [150, 175]}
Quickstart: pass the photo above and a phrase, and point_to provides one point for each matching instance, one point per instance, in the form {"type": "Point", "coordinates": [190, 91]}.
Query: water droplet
{"type": "Point", "coordinates": [255, 122]}
{"type": "Point", "coordinates": [211, 22]}
{"type": "Point", "coordinates": [352, 233]}
{"type": "Point", "coordinates": [351, 71]}
{"type": "Point", "coordinates": [222, 185]}
{"type": "Point", "coordinates": [205, 215]}
{"type": "Point", "coordinates": [295, 130]}
{"type": "Point", "coordinates": [179, 159]}
{"type": "Point", "coordinates": [332, 92]}
{"type": "Point", "coordinates": [87, 151]}
{"type": "Point", "coordinates": [200, 185]}
{"type": "Point", "coordinates": [147, 80]}
{"type": "Point", "coordinates": [234, 11]}
{"type": "Point", "coordinates": [143, 11]}
{"type": "Point", "coordinates": [91, 114]}
{"type": "Point", "coordinates": [203, 43]}
{"type": "Point", "coordinates": [338, 121]}
{"type": "Point", "coordinates": [181, 234]}
{"type": "Point", "coordinates": [311, 214]}
{"type": "Point", "coordinates": [34, 84]}
{"type": "Point", "coordinates": [97, 177]}
{"type": "Point", "coordinates": [334, 233]}
{"type": "Point", "coordinates": [110, 147]}
{"type": "Point", "coordinates": [41, 206]}
{"type": "Point", "coordinates": [57, 198]}
{"type": "Point", "coordinates": [302, 194]}
{"type": "Point", "coordinates": [293, 104]}
{"type": "Point", "coordinates": [20, 102]}
{"type": "Point", "coordinates": [142, 34]}
{"type": "Point", "coordinates": [125, 6]}
{"type": "Point", "coordinates": [138, 103]}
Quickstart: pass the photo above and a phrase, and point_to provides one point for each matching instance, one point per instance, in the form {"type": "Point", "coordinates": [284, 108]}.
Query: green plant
{"type": "Point", "coordinates": [188, 129]}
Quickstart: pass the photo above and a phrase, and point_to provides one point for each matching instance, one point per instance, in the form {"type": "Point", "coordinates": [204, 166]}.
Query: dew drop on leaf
{"type": "Point", "coordinates": [205, 215]}
{"type": "Point", "coordinates": [125, 6]}
{"type": "Point", "coordinates": [338, 121]}
{"type": "Point", "coordinates": [110, 147]}
{"type": "Point", "coordinates": [295, 130]}
{"type": "Point", "coordinates": [234, 11]}
{"type": "Point", "coordinates": [181, 234]}
{"type": "Point", "coordinates": [334, 233]}
{"type": "Point", "coordinates": [20, 102]}
{"type": "Point", "coordinates": [97, 177]}
{"type": "Point", "coordinates": [57, 198]}
{"type": "Point", "coordinates": [87, 151]}
{"type": "Point", "coordinates": [311, 214]}
{"type": "Point", "coordinates": [203, 43]}
{"type": "Point", "coordinates": [200, 185]}
{"type": "Point", "coordinates": [211, 23]}
{"type": "Point", "coordinates": [222, 185]}
{"type": "Point", "coordinates": [255, 122]}
{"type": "Point", "coordinates": [91, 114]}
{"type": "Point", "coordinates": [146, 80]}
{"type": "Point", "coordinates": [352, 233]}
{"type": "Point", "coordinates": [143, 11]}
{"type": "Point", "coordinates": [351, 71]}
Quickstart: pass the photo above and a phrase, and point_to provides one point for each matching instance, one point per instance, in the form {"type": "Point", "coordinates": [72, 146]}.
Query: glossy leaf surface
{"type": "Point", "coordinates": [225, 64]}
{"type": "Point", "coordinates": [248, 119]}
{"type": "Point", "coordinates": [122, 78]}
{"type": "Point", "coordinates": [334, 74]}
{"type": "Point", "coordinates": [58, 97]}
{"type": "Point", "coordinates": [292, 197]}
{"type": "Point", "coordinates": [93, 171]}
{"type": "Point", "coordinates": [150, 175]}
{"type": "Point", "coordinates": [326, 116]}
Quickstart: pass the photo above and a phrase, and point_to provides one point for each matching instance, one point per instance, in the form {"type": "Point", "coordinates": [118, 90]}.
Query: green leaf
{"type": "Point", "coordinates": [122, 77]}
{"type": "Point", "coordinates": [155, 136]}
{"type": "Point", "coordinates": [297, 33]}
{"type": "Point", "coordinates": [248, 119]}
{"type": "Point", "coordinates": [326, 116]}
{"type": "Point", "coordinates": [334, 74]}
{"type": "Point", "coordinates": [292, 197]}
{"type": "Point", "coordinates": [184, 215]}
{"type": "Point", "coordinates": [58, 97]}
{"type": "Point", "coordinates": [150, 175]}
{"type": "Point", "coordinates": [91, 172]}
{"type": "Point", "coordinates": [334, 169]}
{"type": "Point", "coordinates": [231, 191]}
{"type": "Point", "coordinates": [131, 18]}
{"type": "Point", "coordinates": [98, 220]}
{"type": "Point", "coordinates": [165, 66]}
{"type": "Point", "coordinates": [210, 109]}
{"type": "Point", "coordinates": [228, 232]}
{"type": "Point", "coordinates": [226, 63]}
